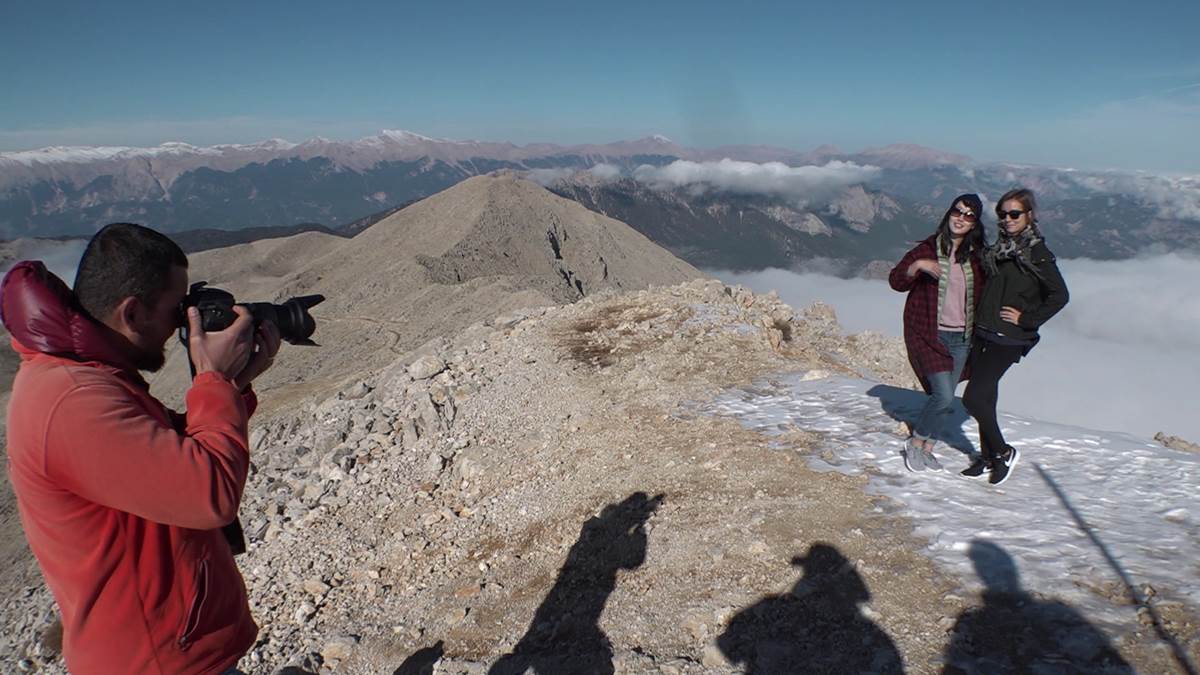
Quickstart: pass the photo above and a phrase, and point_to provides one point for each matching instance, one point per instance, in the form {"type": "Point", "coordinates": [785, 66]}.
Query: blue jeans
{"type": "Point", "coordinates": [942, 385]}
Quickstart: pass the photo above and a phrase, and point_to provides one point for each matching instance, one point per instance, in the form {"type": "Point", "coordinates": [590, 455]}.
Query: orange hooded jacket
{"type": "Point", "coordinates": [122, 500]}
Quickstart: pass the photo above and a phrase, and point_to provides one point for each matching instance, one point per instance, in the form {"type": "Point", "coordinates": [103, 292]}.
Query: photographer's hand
{"type": "Point", "coordinates": [266, 345]}
{"type": "Point", "coordinates": [225, 352]}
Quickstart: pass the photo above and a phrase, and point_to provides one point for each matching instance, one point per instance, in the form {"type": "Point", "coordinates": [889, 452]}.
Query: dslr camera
{"type": "Point", "coordinates": [295, 324]}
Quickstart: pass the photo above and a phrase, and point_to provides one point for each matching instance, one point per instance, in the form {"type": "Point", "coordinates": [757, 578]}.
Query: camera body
{"type": "Point", "coordinates": [215, 305]}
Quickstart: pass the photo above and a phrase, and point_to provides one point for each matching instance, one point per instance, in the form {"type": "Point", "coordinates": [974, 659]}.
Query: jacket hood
{"type": "Point", "coordinates": [43, 317]}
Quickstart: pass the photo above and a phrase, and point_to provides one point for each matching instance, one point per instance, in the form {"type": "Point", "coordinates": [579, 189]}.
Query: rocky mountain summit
{"type": "Point", "coordinates": [488, 245]}
{"type": "Point", "coordinates": [543, 492]}
{"type": "Point", "coordinates": [434, 499]}
{"type": "Point", "coordinates": [503, 459]}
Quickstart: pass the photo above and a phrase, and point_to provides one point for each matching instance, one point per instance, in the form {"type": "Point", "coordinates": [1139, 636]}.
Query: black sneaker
{"type": "Point", "coordinates": [1003, 466]}
{"type": "Point", "coordinates": [978, 466]}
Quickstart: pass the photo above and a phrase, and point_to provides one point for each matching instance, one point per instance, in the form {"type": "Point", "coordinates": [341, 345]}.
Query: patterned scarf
{"type": "Point", "coordinates": [1013, 247]}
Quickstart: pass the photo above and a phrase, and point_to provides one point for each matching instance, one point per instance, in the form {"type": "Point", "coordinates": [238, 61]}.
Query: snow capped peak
{"type": "Point", "coordinates": [57, 154]}
{"type": "Point", "coordinates": [386, 144]}
{"type": "Point", "coordinates": [75, 154]}
{"type": "Point", "coordinates": [176, 148]}
{"type": "Point", "coordinates": [405, 136]}
{"type": "Point", "coordinates": [269, 144]}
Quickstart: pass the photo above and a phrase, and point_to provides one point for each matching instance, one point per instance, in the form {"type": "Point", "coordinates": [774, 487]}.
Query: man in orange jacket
{"type": "Point", "coordinates": [123, 500]}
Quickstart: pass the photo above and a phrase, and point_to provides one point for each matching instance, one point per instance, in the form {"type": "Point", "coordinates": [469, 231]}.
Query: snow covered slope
{"type": "Point", "coordinates": [1138, 500]}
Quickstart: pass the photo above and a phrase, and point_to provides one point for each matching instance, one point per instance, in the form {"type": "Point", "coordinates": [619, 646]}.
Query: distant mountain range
{"type": "Point", "coordinates": [872, 222]}
{"type": "Point", "coordinates": [738, 207]}
{"type": "Point", "coordinates": [56, 191]}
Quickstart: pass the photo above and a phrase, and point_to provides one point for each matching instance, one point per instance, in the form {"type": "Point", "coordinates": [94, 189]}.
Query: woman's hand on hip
{"type": "Point", "coordinates": [926, 265]}
{"type": "Point", "coordinates": [1011, 315]}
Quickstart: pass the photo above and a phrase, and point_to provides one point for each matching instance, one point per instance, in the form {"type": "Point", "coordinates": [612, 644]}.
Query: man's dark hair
{"type": "Point", "coordinates": [124, 260]}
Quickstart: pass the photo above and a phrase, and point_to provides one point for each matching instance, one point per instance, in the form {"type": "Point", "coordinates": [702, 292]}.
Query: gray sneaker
{"type": "Point", "coordinates": [913, 457]}
{"type": "Point", "coordinates": [931, 462]}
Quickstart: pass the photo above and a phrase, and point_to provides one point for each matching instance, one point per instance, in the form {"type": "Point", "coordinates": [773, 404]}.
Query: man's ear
{"type": "Point", "coordinates": [127, 316]}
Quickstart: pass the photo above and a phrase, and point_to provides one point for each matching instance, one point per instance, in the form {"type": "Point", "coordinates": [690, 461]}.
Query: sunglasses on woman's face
{"type": "Point", "coordinates": [1011, 215]}
{"type": "Point", "coordinates": [968, 216]}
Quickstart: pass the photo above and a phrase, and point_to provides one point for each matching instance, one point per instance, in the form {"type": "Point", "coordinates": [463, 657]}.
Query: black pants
{"type": "Point", "coordinates": [989, 361]}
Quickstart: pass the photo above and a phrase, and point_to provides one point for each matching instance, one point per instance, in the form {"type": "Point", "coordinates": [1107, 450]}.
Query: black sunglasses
{"type": "Point", "coordinates": [1011, 215]}
{"type": "Point", "coordinates": [965, 215]}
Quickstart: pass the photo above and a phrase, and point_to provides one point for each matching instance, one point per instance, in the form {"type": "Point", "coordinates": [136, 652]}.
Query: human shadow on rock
{"type": "Point", "coordinates": [1013, 632]}
{"type": "Point", "coordinates": [564, 635]}
{"type": "Point", "coordinates": [817, 627]}
{"type": "Point", "coordinates": [422, 661]}
{"type": "Point", "coordinates": [904, 405]}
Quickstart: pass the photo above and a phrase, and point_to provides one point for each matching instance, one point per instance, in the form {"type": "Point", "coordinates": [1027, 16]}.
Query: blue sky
{"type": "Point", "coordinates": [1092, 85]}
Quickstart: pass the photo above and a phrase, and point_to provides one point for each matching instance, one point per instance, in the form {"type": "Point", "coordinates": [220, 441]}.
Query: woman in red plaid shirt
{"type": "Point", "coordinates": [944, 281]}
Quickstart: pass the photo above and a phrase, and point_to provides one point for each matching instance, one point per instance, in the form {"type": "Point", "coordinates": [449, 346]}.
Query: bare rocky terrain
{"type": "Point", "coordinates": [534, 487]}
{"type": "Point", "coordinates": [485, 246]}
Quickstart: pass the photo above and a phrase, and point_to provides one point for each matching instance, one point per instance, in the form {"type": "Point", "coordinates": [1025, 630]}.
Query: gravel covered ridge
{"type": "Point", "coordinates": [540, 491]}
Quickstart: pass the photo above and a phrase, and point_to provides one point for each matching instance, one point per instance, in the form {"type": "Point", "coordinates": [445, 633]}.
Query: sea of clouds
{"type": "Point", "coordinates": [1174, 197]}
{"type": "Point", "coordinates": [798, 183]}
{"type": "Point", "coordinates": [1124, 355]}
{"type": "Point", "coordinates": [768, 178]}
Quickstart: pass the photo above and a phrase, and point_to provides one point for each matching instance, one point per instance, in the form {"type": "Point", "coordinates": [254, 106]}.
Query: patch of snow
{"type": "Point", "coordinates": [269, 144]}
{"type": "Point", "coordinates": [82, 154]}
{"type": "Point", "coordinates": [405, 136]}
{"type": "Point", "coordinates": [1136, 497]}
{"type": "Point", "coordinates": [60, 154]}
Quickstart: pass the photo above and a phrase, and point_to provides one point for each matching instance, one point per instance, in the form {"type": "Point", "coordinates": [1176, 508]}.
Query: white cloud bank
{"type": "Point", "coordinates": [769, 178]}
{"type": "Point", "coordinates": [1173, 197]}
{"type": "Point", "coordinates": [606, 172]}
{"type": "Point", "coordinates": [1124, 355]}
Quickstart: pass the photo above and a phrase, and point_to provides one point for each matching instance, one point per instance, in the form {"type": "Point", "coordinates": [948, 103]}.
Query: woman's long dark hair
{"type": "Point", "coordinates": [973, 240]}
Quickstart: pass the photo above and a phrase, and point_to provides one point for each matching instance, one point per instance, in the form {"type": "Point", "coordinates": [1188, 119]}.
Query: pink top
{"type": "Point", "coordinates": [954, 309]}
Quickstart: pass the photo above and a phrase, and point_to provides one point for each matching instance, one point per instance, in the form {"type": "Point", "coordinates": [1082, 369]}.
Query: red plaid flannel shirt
{"type": "Point", "coordinates": [925, 352]}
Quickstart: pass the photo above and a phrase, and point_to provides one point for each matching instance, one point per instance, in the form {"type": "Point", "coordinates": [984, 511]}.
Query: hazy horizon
{"type": "Point", "coordinates": [1043, 91]}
